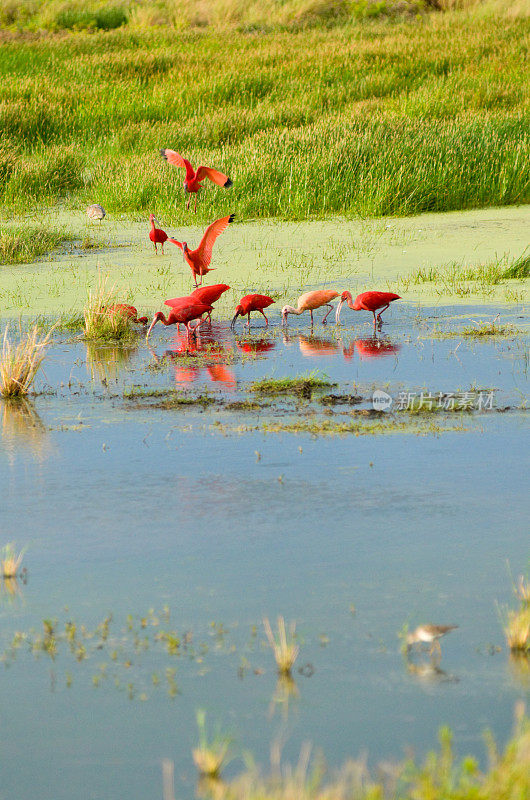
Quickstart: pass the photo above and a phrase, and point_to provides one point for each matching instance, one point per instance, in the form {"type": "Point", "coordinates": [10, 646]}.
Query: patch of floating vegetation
{"type": "Point", "coordinates": [341, 399]}
{"type": "Point", "coordinates": [479, 330]}
{"type": "Point", "coordinates": [382, 424]}
{"type": "Point", "coordinates": [24, 245]}
{"type": "Point", "coordinates": [301, 385]}
{"type": "Point", "coordinates": [167, 399]}
{"type": "Point", "coordinates": [245, 405]}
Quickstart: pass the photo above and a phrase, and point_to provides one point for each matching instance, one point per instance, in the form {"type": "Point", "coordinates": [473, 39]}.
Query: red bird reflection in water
{"type": "Point", "coordinates": [256, 346]}
{"type": "Point", "coordinates": [315, 346]}
{"type": "Point", "coordinates": [213, 352]}
{"type": "Point", "coordinates": [371, 348]}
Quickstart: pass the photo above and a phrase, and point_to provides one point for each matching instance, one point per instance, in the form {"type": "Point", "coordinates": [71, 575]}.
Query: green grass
{"type": "Point", "coordinates": [324, 114]}
{"type": "Point", "coordinates": [302, 385]}
{"type": "Point", "coordinates": [462, 279]}
{"type": "Point", "coordinates": [441, 776]}
{"type": "Point", "coordinates": [23, 245]}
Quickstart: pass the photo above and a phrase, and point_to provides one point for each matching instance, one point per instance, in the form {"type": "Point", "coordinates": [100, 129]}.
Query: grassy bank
{"type": "Point", "coordinates": [442, 776]}
{"type": "Point", "coordinates": [387, 117]}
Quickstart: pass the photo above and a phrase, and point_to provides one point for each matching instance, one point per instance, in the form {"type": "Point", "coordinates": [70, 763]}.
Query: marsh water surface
{"type": "Point", "coordinates": [194, 521]}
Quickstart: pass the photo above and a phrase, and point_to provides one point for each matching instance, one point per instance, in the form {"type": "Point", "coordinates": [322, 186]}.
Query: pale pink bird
{"type": "Point", "coordinates": [309, 301]}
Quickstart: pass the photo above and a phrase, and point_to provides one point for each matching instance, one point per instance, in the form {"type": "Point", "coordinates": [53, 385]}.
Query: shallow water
{"type": "Point", "coordinates": [270, 257]}
{"type": "Point", "coordinates": [126, 507]}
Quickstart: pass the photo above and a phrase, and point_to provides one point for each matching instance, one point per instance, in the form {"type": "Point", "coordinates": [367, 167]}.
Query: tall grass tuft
{"type": "Point", "coordinates": [283, 645]}
{"type": "Point", "coordinates": [10, 560]}
{"type": "Point", "coordinates": [517, 629]}
{"type": "Point", "coordinates": [101, 324]}
{"type": "Point", "coordinates": [20, 361]}
{"type": "Point", "coordinates": [210, 756]}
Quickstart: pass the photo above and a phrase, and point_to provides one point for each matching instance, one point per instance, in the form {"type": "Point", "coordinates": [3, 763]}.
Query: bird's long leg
{"type": "Point", "coordinates": [328, 305]}
{"type": "Point", "coordinates": [156, 251]}
{"type": "Point", "coordinates": [248, 322]}
{"type": "Point", "coordinates": [162, 248]}
{"type": "Point", "coordinates": [383, 309]}
{"type": "Point", "coordinates": [266, 320]}
{"type": "Point", "coordinates": [188, 203]}
{"type": "Point", "coordinates": [210, 318]}
{"type": "Point", "coordinates": [311, 312]}
{"type": "Point", "coordinates": [195, 208]}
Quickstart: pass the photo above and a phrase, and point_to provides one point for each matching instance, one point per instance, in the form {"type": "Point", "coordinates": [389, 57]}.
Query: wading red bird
{"type": "Point", "coordinates": [126, 311]}
{"type": "Point", "coordinates": [309, 301]}
{"type": "Point", "coordinates": [199, 259]}
{"type": "Point", "coordinates": [184, 314]}
{"type": "Point", "coordinates": [192, 181]}
{"type": "Point", "coordinates": [204, 294]}
{"type": "Point", "coordinates": [157, 235]}
{"type": "Point", "coordinates": [249, 303]}
{"type": "Point", "coordinates": [367, 301]}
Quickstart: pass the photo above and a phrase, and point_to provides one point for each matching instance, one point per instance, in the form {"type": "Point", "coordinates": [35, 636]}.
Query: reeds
{"type": "Point", "coordinates": [101, 324]}
{"type": "Point", "coordinates": [20, 361]}
{"type": "Point", "coordinates": [517, 621]}
{"type": "Point", "coordinates": [210, 756]}
{"type": "Point", "coordinates": [305, 126]}
{"type": "Point", "coordinates": [10, 560]}
{"type": "Point", "coordinates": [283, 645]}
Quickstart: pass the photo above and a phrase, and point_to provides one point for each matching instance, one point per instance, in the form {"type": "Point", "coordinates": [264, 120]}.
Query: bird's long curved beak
{"type": "Point", "coordinates": [337, 314]}
{"type": "Point", "coordinates": [151, 328]}
{"type": "Point", "coordinates": [232, 324]}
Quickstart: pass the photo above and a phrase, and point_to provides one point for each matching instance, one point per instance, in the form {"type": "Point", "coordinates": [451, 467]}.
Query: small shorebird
{"type": "Point", "coordinates": [428, 634]}
{"type": "Point", "coordinates": [95, 211]}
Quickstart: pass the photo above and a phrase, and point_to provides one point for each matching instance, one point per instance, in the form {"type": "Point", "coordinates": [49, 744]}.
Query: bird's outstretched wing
{"type": "Point", "coordinates": [214, 175]}
{"type": "Point", "coordinates": [174, 241]}
{"type": "Point", "coordinates": [204, 250]}
{"type": "Point", "coordinates": [172, 157]}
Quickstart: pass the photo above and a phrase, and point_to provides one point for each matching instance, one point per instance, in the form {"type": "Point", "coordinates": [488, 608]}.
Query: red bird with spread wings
{"type": "Point", "coordinates": [198, 260]}
{"type": "Point", "coordinates": [192, 181]}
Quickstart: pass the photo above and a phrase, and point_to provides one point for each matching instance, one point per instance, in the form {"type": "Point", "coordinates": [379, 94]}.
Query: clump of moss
{"type": "Point", "coordinates": [24, 245]}
{"type": "Point", "coordinates": [302, 385]}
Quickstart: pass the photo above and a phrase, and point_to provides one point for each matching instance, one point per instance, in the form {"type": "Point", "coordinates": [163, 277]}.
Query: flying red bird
{"type": "Point", "coordinates": [199, 259]}
{"type": "Point", "coordinates": [309, 301]}
{"type": "Point", "coordinates": [126, 311]}
{"type": "Point", "coordinates": [249, 303]}
{"type": "Point", "coordinates": [184, 314]}
{"type": "Point", "coordinates": [367, 301]}
{"type": "Point", "coordinates": [157, 235]}
{"type": "Point", "coordinates": [192, 181]}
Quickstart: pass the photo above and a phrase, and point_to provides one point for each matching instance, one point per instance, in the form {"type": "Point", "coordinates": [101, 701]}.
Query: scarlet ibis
{"type": "Point", "coordinates": [199, 259]}
{"type": "Point", "coordinates": [126, 311]}
{"type": "Point", "coordinates": [95, 211]}
{"type": "Point", "coordinates": [204, 294]}
{"type": "Point", "coordinates": [367, 301]}
{"type": "Point", "coordinates": [429, 634]}
{"type": "Point", "coordinates": [184, 314]}
{"type": "Point", "coordinates": [157, 235]}
{"type": "Point", "coordinates": [249, 303]}
{"type": "Point", "coordinates": [192, 181]}
{"type": "Point", "coordinates": [309, 301]}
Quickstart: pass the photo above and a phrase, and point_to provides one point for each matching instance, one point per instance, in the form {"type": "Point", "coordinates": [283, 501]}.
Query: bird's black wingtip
{"type": "Point", "coordinates": [163, 153]}
{"type": "Point", "coordinates": [228, 183]}
{"type": "Point", "coordinates": [231, 218]}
